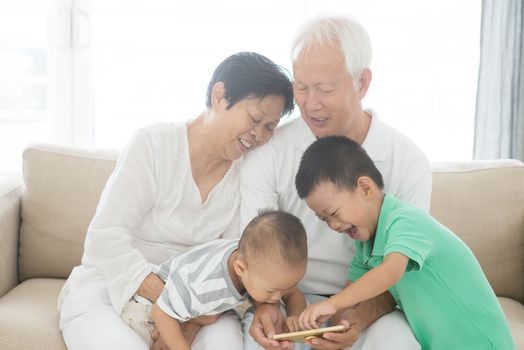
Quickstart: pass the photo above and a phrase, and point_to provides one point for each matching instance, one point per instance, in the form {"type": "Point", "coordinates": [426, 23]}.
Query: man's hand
{"type": "Point", "coordinates": [335, 341]}
{"type": "Point", "coordinates": [268, 321]}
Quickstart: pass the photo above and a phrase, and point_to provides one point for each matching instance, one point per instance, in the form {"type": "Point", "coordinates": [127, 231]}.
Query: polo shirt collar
{"type": "Point", "coordinates": [389, 204]}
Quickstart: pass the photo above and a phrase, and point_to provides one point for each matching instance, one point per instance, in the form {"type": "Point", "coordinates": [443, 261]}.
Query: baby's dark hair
{"type": "Point", "coordinates": [249, 74]}
{"type": "Point", "coordinates": [276, 235]}
{"type": "Point", "coordinates": [335, 159]}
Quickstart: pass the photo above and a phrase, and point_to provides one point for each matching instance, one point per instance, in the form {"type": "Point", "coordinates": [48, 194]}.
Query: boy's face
{"type": "Point", "coordinates": [268, 282]}
{"type": "Point", "coordinates": [345, 211]}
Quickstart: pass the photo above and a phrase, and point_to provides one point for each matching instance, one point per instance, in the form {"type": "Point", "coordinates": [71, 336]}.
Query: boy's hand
{"type": "Point", "coordinates": [316, 314]}
{"type": "Point", "coordinates": [292, 324]}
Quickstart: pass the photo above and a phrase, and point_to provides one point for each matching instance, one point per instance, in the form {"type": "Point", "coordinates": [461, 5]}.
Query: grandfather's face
{"type": "Point", "coordinates": [326, 95]}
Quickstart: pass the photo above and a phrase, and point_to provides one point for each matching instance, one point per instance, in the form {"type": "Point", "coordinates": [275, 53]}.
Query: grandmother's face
{"type": "Point", "coordinates": [248, 124]}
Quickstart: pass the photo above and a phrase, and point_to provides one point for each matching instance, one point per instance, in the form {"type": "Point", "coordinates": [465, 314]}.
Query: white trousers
{"type": "Point", "coordinates": [89, 322]}
{"type": "Point", "coordinates": [389, 332]}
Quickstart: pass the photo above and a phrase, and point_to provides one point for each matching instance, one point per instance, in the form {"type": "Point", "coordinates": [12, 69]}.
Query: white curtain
{"type": "Point", "coordinates": [499, 118]}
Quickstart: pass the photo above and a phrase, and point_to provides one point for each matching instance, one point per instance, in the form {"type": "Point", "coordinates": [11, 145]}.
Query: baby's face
{"type": "Point", "coordinates": [345, 211]}
{"type": "Point", "coordinates": [267, 283]}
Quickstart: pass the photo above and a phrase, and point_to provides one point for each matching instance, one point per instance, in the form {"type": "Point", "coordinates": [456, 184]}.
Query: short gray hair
{"type": "Point", "coordinates": [344, 32]}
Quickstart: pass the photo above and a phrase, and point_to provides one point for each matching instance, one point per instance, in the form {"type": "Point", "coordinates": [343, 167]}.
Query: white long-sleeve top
{"type": "Point", "coordinates": [151, 209]}
{"type": "Point", "coordinates": [268, 181]}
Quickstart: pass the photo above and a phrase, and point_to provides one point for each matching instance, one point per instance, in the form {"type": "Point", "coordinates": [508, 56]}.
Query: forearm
{"type": "Point", "coordinates": [370, 285]}
{"type": "Point", "coordinates": [169, 329]}
{"type": "Point", "coordinates": [295, 302]}
{"type": "Point", "coordinates": [373, 283]}
{"type": "Point", "coordinates": [151, 287]}
{"type": "Point", "coordinates": [367, 312]}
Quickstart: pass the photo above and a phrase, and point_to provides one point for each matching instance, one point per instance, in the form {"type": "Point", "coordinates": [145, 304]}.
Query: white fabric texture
{"type": "Point", "coordinates": [91, 323]}
{"type": "Point", "coordinates": [150, 210]}
{"type": "Point", "coordinates": [267, 180]}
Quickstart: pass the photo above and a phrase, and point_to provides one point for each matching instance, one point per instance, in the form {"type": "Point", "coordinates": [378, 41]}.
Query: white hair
{"type": "Point", "coordinates": [343, 32]}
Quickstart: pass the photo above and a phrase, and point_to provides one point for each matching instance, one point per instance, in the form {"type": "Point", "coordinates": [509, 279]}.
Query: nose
{"type": "Point", "coordinates": [311, 101]}
{"type": "Point", "coordinates": [333, 224]}
{"type": "Point", "coordinates": [258, 133]}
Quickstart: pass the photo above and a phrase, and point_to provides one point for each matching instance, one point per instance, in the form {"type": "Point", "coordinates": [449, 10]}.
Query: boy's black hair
{"type": "Point", "coordinates": [334, 159]}
{"type": "Point", "coordinates": [249, 74]}
{"type": "Point", "coordinates": [276, 235]}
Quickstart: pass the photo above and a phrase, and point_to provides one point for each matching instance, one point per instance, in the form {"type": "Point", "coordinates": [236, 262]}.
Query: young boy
{"type": "Point", "coordinates": [266, 264]}
{"type": "Point", "coordinates": [430, 272]}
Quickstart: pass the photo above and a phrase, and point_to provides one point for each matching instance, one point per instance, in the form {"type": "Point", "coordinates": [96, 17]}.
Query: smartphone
{"type": "Point", "coordinates": [308, 334]}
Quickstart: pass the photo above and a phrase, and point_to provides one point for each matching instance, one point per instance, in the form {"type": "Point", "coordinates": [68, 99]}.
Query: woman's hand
{"type": "Point", "coordinates": [151, 287]}
{"type": "Point", "coordinates": [205, 320]}
{"type": "Point", "coordinates": [316, 314]}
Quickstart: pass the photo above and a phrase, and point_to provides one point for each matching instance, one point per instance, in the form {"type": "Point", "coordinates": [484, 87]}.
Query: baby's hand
{"type": "Point", "coordinates": [316, 314]}
{"type": "Point", "coordinates": [292, 324]}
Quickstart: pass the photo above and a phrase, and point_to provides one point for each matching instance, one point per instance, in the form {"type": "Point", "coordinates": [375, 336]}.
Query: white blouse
{"type": "Point", "coordinates": [151, 209]}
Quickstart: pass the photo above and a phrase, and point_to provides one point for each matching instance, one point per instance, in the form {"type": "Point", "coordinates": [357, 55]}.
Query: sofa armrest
{"type": "Point", "coordinates": [10, 199]}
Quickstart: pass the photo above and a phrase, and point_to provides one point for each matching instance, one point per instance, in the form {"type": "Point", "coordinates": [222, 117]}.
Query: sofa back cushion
{"type": "Point", "coordinates": [483, 203]}
{"type": "Point", "coordinates": [62, 188]}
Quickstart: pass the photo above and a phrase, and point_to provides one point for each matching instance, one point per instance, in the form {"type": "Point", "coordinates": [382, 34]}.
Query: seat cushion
{"type": "Point", "coordinates": [514, 312]}
{"type": "Point", "coordinates": [62, 189]}
{"type": "Point", "coordinates": [29, 316]}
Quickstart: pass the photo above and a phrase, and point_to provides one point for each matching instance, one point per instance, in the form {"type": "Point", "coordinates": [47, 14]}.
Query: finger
{"type": "Point", "coordinates": [303, 320]}
{"type": "Point", "coordinates": [259, 335]}
{"type": "Point", "coordinates": [268, 326]}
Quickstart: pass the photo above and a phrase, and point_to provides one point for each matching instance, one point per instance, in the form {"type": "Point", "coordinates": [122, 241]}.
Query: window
{"type": "Point", "coordinates": [89, 72]}
{"type": "Point", "coordinates": [35, 77]}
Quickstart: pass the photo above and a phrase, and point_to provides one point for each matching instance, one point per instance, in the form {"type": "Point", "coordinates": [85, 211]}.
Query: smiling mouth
{"type": "Point", "coordinates": [319, 120]}
{"type": "Point", "coordinates": [351, 231]}
{"type": "Point", "coordinates": [244, 143]}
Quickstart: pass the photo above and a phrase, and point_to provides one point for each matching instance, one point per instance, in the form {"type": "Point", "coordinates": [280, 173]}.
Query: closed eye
{"type": "Point", "coordinates": [270, 127]}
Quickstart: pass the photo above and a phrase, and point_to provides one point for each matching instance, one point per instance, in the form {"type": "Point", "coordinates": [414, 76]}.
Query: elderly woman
{"type": "Point", "coordinates": [175, 186]}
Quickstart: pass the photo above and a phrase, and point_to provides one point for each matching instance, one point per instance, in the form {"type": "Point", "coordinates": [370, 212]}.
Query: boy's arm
{"type": "Point", "coordinates": [372, 283]}
{"type": "Point", "coordinates": [169, 329]}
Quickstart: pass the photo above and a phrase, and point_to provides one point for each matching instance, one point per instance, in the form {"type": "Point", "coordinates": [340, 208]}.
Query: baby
{"type": "Point", "coordinates": [266, 264]}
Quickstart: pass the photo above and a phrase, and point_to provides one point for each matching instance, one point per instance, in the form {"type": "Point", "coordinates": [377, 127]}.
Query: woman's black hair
{"type": "Point", "coordinates": [249, 74]}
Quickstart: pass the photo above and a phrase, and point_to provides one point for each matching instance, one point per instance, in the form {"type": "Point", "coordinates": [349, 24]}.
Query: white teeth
{"type": "Point", "coordinates": [245, 143]}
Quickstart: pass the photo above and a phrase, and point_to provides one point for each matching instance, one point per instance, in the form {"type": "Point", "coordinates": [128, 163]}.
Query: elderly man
{"type": "Point", "coordinates": [331, 58]}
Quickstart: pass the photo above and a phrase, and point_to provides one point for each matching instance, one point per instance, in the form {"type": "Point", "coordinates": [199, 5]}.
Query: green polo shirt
{"type": "Point", "coordinates": [444, 294]}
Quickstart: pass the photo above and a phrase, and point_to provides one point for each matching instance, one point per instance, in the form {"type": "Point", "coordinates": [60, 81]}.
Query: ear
{"type": "Point", "coordinates": [218, 94]}
{"type": "Point", "coordinates": [240, 266]}
{"type": "Point", "coordinates": [364, 81]}
{"type": "Point", "coordinates": [367, 187]}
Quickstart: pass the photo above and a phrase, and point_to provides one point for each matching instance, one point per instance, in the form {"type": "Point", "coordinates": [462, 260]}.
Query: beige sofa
{"type": "Point", "coordinates": [43, 223]}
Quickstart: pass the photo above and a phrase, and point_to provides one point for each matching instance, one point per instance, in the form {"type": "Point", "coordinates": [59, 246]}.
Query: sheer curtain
{"type": "Point", "coordinates": [499, 119]}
